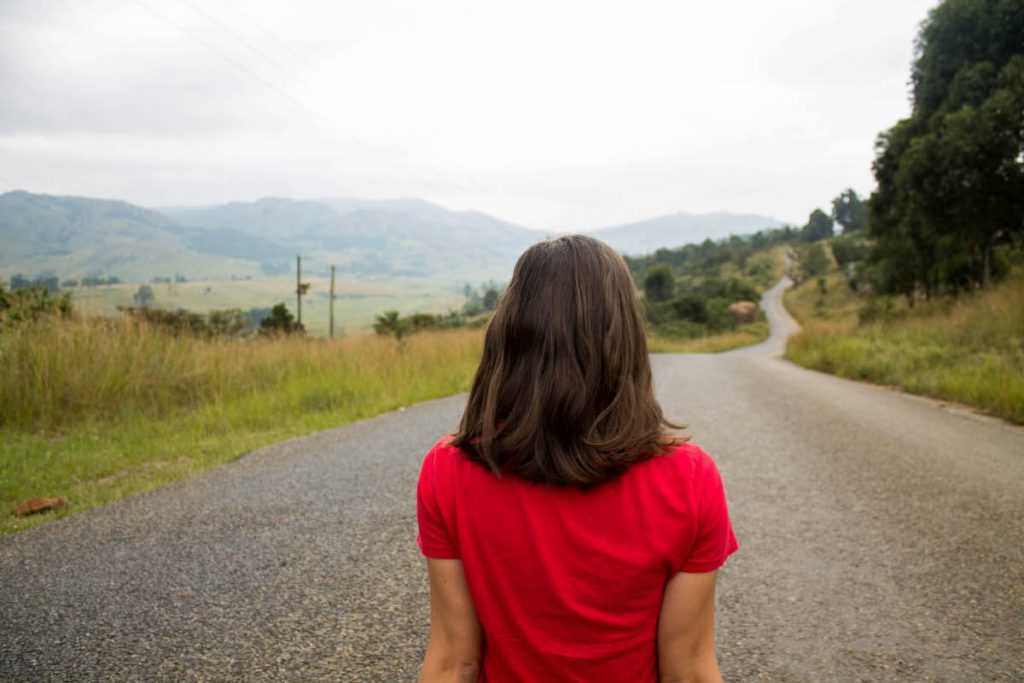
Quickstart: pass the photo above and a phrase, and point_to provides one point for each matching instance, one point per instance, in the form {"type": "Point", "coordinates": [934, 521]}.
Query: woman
{"type": "Point", "coordinates": [568, 535]}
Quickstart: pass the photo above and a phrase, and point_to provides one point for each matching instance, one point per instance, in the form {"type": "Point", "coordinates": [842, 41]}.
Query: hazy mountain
{"type": "Point", "coordinates": [270, 218]}
{"type": "Point", "coordinates": [677, 229]}
{"type": "Point", "coordinates": [408, 237]}
{"type": "Point", "coordinates": [75, 236]}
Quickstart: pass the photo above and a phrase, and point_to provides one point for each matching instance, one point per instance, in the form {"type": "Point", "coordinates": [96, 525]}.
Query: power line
{"type": "Point", "coordinates": [219, 53]}
{"type": "Point", "coordinates": [324, 121]}
{"type": "Point", "coordinates": [252, 48]}
{"type": "Point", "coordinates": [466, 186]}
{"type": "Point", "coordinates": [270, 35]}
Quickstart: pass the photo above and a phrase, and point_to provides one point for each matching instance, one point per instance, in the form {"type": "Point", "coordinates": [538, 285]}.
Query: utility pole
{"type": "Point", "coordinates": [332, 302]}
{"type": "Point", "coordinates": [298, 286]}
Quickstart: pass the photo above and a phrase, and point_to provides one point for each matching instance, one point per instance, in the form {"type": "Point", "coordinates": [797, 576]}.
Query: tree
{"type": "Point", "coordinates": [389, 322]}
{"type": "Point", "coordinates": [849, 211]}
{"type": "Point", "coordinates": [814, 261]}
{"type": "Point", "coordinates": [230, 322]}
{"type": "Point", "coordinates": [819, 226]}
{"type": "Point", "coordinates": [280, 321]}
{"type": "Point", "coordinates": [659, 282]}
{"type": "Point", "coordinates": [950, 177]}
{"type": "Point", "coordinates": [491, 299]}
{"type": "Point", "coordinates": [144, 296]}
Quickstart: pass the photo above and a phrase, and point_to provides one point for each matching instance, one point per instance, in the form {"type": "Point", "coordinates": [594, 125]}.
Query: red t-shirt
{"type": "Point", "coordinates": [568, 584]}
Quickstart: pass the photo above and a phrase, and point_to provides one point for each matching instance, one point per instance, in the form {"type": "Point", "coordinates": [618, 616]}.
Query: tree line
{"type": "Point", "coordinates": [949, 204]}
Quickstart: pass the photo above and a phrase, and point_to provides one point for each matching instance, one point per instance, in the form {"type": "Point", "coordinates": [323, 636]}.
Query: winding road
{"type": "Point", "coordinates": [882, 539]}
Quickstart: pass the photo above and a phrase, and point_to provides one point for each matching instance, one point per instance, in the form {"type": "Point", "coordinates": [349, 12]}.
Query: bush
{"type": "Point", "coordinates": [31, 303]}
{"type": "Point", "coordinates": [230, 322]}
{"type": "Point", "coordinates": [280, 321]}
{"type": "Point", "coordinates": [179, 321]}
{"type": "Point", "coordinates": [848, 249]}
{"type": "Point", "coordinates": [877, 309]}
{"type": "Point", "coordinates": [690, 307]}
{"type": "Point", "coordinates": [719, 317]}
{"type": "Point", "coordinates": [814, 261]}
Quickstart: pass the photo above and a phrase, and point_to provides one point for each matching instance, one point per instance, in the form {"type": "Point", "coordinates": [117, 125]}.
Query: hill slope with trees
{"type": "Point", "coordinates": [930, 297]}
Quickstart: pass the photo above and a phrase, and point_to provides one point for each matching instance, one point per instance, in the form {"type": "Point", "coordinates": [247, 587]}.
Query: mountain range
{"type": "Point", "coordinates": [77, 237]}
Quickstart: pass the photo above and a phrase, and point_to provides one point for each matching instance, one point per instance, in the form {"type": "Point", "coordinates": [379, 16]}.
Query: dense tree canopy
{"type": "Point", "coordinates": [951, 177]}
{"type": "Point", "coordinates": [819, 226]}
{"type": "Point", "coordinates": [659, 283]}
{"type": "Point", "coordinates": [849, 211]}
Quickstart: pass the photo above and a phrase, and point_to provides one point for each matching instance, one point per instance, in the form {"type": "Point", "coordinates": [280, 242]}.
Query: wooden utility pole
{"type": "Point", "coordinates": [298, 286]}
{"type": "Point", "coordinates": [332, 302]}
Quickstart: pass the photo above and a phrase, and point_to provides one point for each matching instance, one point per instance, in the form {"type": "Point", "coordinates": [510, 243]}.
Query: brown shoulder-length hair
{"type": "Point", "coordinates": [563, 393]}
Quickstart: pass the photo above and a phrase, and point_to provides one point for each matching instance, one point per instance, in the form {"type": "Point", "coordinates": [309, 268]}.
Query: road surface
{"type": "Point", "coordinates": [882, 539]}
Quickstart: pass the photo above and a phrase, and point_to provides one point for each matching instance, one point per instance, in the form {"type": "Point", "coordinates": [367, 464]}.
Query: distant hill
{"type": "Point", "coordinates": [390, 238]}
{"type": "Point", "coordinates": [398, 237]}
{"type": "Point", "coordinates": [675, 230]}
{"type": "Point", "coordinates": [75, 237]}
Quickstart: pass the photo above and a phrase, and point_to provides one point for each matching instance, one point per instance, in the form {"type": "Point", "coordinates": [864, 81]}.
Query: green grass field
{"type": "Point", "coordinates": [969, 350]}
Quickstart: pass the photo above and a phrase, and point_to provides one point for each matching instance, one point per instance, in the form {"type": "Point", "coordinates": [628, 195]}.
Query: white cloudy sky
{"type": "Point", "coordinates": [556, 115]}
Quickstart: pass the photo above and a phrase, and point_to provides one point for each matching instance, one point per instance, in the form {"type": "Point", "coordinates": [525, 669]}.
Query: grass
{"type": "Point", "coordinates": [745, 335]}
{"type": "Point", "coordinates": [969, 350]}
{"type": "Point", "coordinates": [94, 410]}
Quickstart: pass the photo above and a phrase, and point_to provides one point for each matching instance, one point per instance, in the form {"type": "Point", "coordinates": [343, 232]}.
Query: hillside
{"type": "Point", "coordinates": [404, 237]}
{"type": "Point", "coordinates": [76, 237]}
{"type": "Point", "coordinates": [675, 230]}
{"type": "Point", "coordinates": [73, 237]}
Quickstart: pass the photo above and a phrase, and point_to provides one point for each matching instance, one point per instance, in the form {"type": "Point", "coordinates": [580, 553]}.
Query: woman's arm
{"type": "Point", "coordinates": [686, 630]}
{"type": "Point", "coordinates": [454, 649]}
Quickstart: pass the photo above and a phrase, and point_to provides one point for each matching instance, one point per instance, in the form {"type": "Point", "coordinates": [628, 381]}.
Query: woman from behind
{"type": "Point", "coordinates": [569, 536]}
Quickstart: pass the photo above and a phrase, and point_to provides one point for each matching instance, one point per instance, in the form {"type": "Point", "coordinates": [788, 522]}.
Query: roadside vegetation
{"type": "Point", "coordinates": [703, 298]}
{"type": "Point", "coordinates": [95, 409]}
{"type": "Point", "coordinates": [968, 349]}
{"type": "Point", "coordinates": [929, 295]}
{"type": "Point", "coordinates": [689, 295]}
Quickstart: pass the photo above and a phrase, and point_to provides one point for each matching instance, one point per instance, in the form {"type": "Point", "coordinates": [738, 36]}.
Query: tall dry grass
{"type": "Point", "coordinates": [97, 409]}
{"type": "Point", "coordinates": [58, 373]}
{"type": "Point", "coordinates": [969, 349]}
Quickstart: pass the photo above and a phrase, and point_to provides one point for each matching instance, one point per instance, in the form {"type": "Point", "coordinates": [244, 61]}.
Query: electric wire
{"type": "Point", "coordinates": [330, 126]}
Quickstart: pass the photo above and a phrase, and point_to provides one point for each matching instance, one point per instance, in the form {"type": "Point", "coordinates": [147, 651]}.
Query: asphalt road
{"type": "Point", "coordinates": [882, 539]}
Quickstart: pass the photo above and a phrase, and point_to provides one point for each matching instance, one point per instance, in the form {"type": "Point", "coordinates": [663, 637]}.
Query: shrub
{"type": "Point", "coordinates": [31, 303]}
{"type": "Point", "coordinates": [877, 308]}
{"type": "Point", "coordinates": [280, 321]}
{"type": "Point", "coordinates": [690, 307]}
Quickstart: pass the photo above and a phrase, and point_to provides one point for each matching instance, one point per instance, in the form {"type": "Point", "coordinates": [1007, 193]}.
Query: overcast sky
{"type": "Point", "coordinates": [555, 115]}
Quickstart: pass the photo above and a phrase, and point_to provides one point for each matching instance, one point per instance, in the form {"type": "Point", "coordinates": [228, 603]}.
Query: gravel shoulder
{"type": "Point", "coordinates": [882, 538]}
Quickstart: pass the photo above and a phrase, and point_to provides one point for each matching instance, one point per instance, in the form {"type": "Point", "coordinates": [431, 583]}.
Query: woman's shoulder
{"type": "Point", "coordinates": [444, 449]}
{"type": "Point", "coordinates": [685, 459]}
{"type": "Point", "coordinates": [445, 455]}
